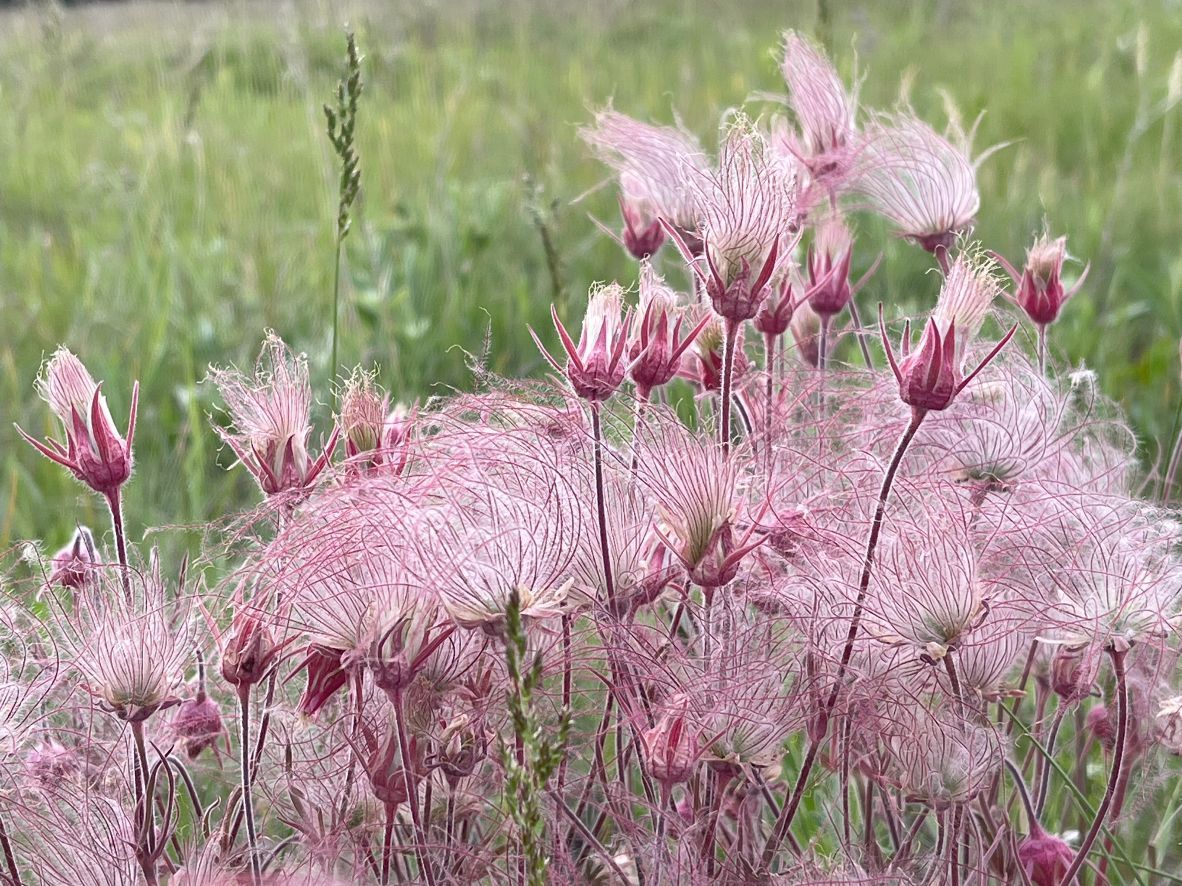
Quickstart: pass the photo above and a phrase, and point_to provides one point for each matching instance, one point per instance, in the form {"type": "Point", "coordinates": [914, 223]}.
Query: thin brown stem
{"type": "Point", "coordinates": [115, 503]}
{"type": "Point", "coordinates": [256, 873]}
{"type": "Point", "coordinates": [730, 335]}
{"type": "Point", "coordinates": [14, 875]}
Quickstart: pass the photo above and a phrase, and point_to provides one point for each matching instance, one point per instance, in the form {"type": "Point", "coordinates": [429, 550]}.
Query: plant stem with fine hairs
{"type": "Point", "coordinates": [9, 856]}
{"type": "Point", "coordinates": [115, 503]}
{"type": "Point", "coordinates": [601, 506]}
{"type": "Point", "coordinates": [252, 839]}
{"type": "Point", "coordinates": [730, 335]}
{"type": "Point", "coordinates": [1117, 654]}
{"type": "Point", "coordinates": [888, 480]}
{"type": "Point", "coordinates": [387, 841]}
{"type": "Point", "coordinates": [1042, 349]}
{"type": "Point", "coordinates": [412, 796]}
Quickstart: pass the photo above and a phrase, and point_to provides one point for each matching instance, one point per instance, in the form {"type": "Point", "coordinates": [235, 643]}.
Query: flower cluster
{"type": "Point", "coordinates": [688, 611]}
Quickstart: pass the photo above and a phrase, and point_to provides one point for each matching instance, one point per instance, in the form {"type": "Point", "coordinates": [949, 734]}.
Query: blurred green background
{"type": "Point", "coordinates": [167, 190]}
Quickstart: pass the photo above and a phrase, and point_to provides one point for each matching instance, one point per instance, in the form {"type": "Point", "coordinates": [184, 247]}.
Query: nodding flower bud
{"type": "Point", "coordinates": [931, 376]}
{"type": "Point", "coordinates": [198, 724]}
{"type": "Point", "coordinates": [829, 268]}
{"type": "Point", "coordinates": [463, 746]}
{"type": "Point", "coordinates": [1040, 292]}
{"type": "Point", "coordinates": [387, 772]}
{"type": "Point", "coordinates": [1099, 724]}
{"type": "Point", "coordinates": [805, 326]}
{"type": "Point", "coordinates": [1074, 670]}
{"type": "Point", "coordinates": [326, 676]}
{"type": "Point", "coordinates": [672, 748]}
{"type": "Point", "coordinates": [94, 452]}
{"type": "Point", "coordinates": [643, 234]}
{"type": "Point", "coordinates": [74, 565]}
{"type": "Point", "coordinates": [249, 652]}
{"type": "Point", "coordinates": [655, 349]}
{"type": "Point", "coordinates": [1045, 858]}
{"type": "Point", "coordinates": [595, 366]}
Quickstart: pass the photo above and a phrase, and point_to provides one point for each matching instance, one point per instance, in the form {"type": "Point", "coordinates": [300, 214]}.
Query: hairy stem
{"type": "Point", "coordinates": [730, 335]}
{"type": "Point", "coordinates": [1118, 755]}
{"type": "Point", "coordinates": [412, 797]}
{"type": "Point", "coordinates": [247, 796]}
{"type": "Point", "coordinates": [387, 841]}
{"type": "Point", "coordinates": [601, 506]}
{"type": "Point", "coordinates": [888, 480]}
{"type": "Point", "coordinates": [1042, 349]}
{"type": "Point", "coordinates": [9, 855]}
{"type": "Point", "coordinates": [115, 503]}
{"type": "Point", "coordinates": [1045, 781]}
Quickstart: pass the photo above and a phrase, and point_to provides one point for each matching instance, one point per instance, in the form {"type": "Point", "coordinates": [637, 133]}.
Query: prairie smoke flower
{"type": "Point", "coordinates": [508, 527]}
{"type": "Point", "coordinates": [939, 759]}
{"type": "Point", "coordinates": [824, 110]}
{"type": "Point", "coordinates": [197, 724]}
{"type": "Point", "coordinates": [923, 183]}
{"type": "Point", "coordinates": [94, 451]}
{"type": "Point", "coordinates": [363, 415]}
{"type": "Point", "coordinates": [748, 208]}
{"type": "Point", "coordinates": [829, 267]}
{"type": "Point", "coordinates": [1041, 293]}
{"type": "Point", "coordinates": [931, 376]}
{"type": "Point", "coordinates": [270, 415]}
{"type": "Point", "coordinates": [775, 314]}
{"type": "Point", "coordinates": [672, 747]}
{"type": "Point", "coordinates": [129, 653]}
{"type": "Point", "coordinates": [75, 565]}
{"type": "Point", "coordinates": [696, 488]}
{"type": "Point", "coordinates": [655, 349]}
{"type": "Point", "coordinates": [654, 165]}
{"type": "Point", "coordinates": [595, 366]}
{"type": "Point", "coordinates": [805, 326]}
{"type": "Point", "coordinates": [1168, 724]}
{"type": "Point", "coordinates": [929, 595]}
{"type": "Point", "coordinates": [249, 650]}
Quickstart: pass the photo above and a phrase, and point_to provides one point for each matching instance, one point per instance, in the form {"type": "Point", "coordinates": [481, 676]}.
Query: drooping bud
{"type": "Point", "coordinates": [385, 769]}
{"type": "Point", "coordinates": [94, 451]}
{"type": "Point", "coordinates": [198, 724]}
{"type": "Point", "coordinates": [74, 565]}
{"type": "Point", "coordinates": [1167, 725]}
{"type": "Point", "coordinates": [672, 748]}
{"type": "Point", "coordinates": [705, 366]}
{"type": "Point", "coordinates": [643, 233]}
{"type": "Point", "coordinates": [775, 314]}
{"type": "Point", "coordinates": [805, 326]}
{"type": "Point", "coordinates": [463, 746]}
{"type": "Point", "coordinates": [1045, 858]}
{"type": "Point", "coordinates": [1099, 723]}
{"type": "Point", "coordinates": [1074, 670]}
{"type": "Point", "coordinates": [325, 677]}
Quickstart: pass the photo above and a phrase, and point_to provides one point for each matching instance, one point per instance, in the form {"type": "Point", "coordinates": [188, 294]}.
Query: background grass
{"type": "Point", "coordinates": [167, 191]}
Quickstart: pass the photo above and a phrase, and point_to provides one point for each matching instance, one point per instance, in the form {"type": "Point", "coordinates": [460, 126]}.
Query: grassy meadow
{"type": "Point", "coordinates": [167, 191]}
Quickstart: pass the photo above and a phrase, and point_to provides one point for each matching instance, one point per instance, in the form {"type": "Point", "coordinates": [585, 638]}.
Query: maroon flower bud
{"type": "Point", "coordinates": [325, 677]}
{"type": "Point", "coordinates": [384, 769]}
{"type": "Point", "coordinates": [642, 236]}
{"type": "Point", "coordinates": [74, 565]}
{"type": "Point", "coordinates": [94, 452]}
{"type": "Point", "coordinates": [1074, 670]}
{"type": "Point", "coordinates": [464, 745]}
{"type": "Point", "coordinates": [1045, 858]}
{"type": "Point", "coordinates": [1040, 292]}
{"type": "Point", "coordinates": [671, 748]}
{"type": "Point", "coordinates": [829, 268]}
{"type": "Point", "coordinates": [249, 652]}
{"type": "Point", "coordinates": [594, 367]}
{"type": "Point", "coordinates": [1100, 724]}
{"type": "Point", "coordinates": [655, 350]}
{"type": "Point", "coordinates": [198, 724]}
{"type": "Point", "coordinates": [775, 314]}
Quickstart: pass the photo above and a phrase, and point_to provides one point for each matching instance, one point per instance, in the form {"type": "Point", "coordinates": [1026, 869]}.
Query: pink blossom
{"type": "Point", "coordinates": [270, 416]}
{"type": "Point", "coordinates": [595, 366]}
{"type": "Point", "coordinates": [94, 451]}
{"type": "Point", "coordinates": [1041, 293]}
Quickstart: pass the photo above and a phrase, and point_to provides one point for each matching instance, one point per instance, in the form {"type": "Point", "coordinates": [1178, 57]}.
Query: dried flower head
{"type": "Point", "coordinates": [270, 416]}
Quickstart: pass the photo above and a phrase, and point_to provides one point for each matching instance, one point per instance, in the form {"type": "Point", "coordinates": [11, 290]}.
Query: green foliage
{"type": "Point", "coordinates": [533, 759]}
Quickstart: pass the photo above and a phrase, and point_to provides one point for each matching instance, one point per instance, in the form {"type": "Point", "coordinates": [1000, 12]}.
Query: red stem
{"type": "Point", "coordinates": [728, 371]}
{"type": "Point", "coordinates": [888, 480]}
